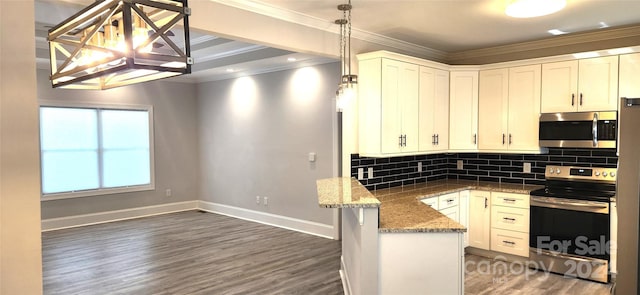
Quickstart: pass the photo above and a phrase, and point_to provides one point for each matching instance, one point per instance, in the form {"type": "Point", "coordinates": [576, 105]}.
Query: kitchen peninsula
{"type": "Point", "coordinates": [394, 243]}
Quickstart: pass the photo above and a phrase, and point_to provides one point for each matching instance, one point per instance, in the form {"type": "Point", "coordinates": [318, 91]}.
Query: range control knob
{"type": "Point", "coordinates": [612, 174]}
{"type": "Point", "coordinates": [597, 173]}
{"type": "Point", "coordinates": [551, 171]}
{"type": "Point", "coordinates": [604, 173]}
{"type": "Point", "coordinates": [558, 170]}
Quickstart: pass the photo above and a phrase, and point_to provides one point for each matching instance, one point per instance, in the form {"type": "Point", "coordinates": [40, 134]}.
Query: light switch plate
{"type": "Point", "coordinates": [370, 173]}
{"type": "Point", "coordinates": [460, 165]}
{"type": "Point", "coordinates": [360, 173]}
{"type": "Point", "coordinates": [526, 168]}
{"type": "Point", "coordinates": [312, 157]}
{"type": "Point", "coordinates": [419, 166]}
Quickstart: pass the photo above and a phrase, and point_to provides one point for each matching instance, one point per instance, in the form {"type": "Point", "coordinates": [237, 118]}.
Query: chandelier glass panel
{"type": "Point", "coordinates": [113, 43]}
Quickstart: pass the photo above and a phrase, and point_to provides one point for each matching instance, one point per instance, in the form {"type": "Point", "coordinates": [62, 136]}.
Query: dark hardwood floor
{"type": "Point", "coordinates": [188, 253]}
{"type": "Point", "coordinates": [489, 279]}
{"type": "Point", "coordinates": [202, 253]}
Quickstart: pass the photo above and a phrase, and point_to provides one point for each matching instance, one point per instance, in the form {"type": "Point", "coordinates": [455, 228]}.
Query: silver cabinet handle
{"type": "Point", "coordinates": [486, 202]}
{"type": "Point", "coordinates": [502, 138]}
{"type": "Point", "coordinates": [509, 219]}
{"type": "Point", "coordinates": [433, 139]}
{"type": "Point", "coordinates": [475, 138]}
{"type": "Point", "coordinates": [580, 98]}
{"type": "Point", "coordinates": [400, 140]}
{"type": "Point", "coordinates": [437, 139]}
{"type": "Point", "coordinates": [449, 200]}
{"type": "Point", "coordinates": [404, 140]}
{"type": "Point", "coordinates": [510, 200]}
{"type": "Point", "coordinates": [510, 141]}
{"type": "Point", "coordinates": [595, 129]}
{"type": "Point", "coordinates": [509, 242]}
{"type": "Point", "coordinates": [573, 98]}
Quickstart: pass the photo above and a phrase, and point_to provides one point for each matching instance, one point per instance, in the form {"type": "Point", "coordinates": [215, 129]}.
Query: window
{"type": "Point", "coordinates": [93, 150]}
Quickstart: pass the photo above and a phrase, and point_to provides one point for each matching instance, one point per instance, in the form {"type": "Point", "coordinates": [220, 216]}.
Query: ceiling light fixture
{"type": "Point", "coordinates": [348, 80]}
{"type": "Point", "coordinates": [291, 59]}
{"type": "Point", "coordinates": [533, 8]}
{"type": "Point", "coordinates": [112, 43]}
{"type": "Point", "coordinates": [556, 32]}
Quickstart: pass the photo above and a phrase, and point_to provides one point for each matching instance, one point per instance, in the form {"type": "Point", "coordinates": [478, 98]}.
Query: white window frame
{"type": "Point", "coordinates": [102, 191]}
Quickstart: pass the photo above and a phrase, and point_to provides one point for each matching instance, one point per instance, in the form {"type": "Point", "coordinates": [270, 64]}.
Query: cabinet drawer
{"type": "Point", "coordinates": [510, 242]}
{"type": "Point", "coordinates": [510, 200]}
{"type": "Point", "coordinates": [516, 219]}
{"type": "Point", "coordinates": [431, 202]}
{"type": "Point", "coordinates": [447, 201]}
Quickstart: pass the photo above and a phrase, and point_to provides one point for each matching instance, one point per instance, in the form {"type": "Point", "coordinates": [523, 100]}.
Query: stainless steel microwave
{"type": "Point", "coordinates": [579, 129]}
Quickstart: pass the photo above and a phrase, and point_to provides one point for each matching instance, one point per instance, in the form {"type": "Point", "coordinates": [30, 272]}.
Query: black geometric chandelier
{"type": "Point", "coordinates": [113, 43]}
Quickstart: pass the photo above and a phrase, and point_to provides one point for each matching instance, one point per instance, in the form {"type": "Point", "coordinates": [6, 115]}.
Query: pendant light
{"type": "Point", "coordinates": [348, 81]}
{"type": "Point", "coordinates": [112, 43]}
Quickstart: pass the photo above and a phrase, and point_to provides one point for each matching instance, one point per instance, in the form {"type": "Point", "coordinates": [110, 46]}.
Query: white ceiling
{"type": "Point", "coordinates": [446, 26]}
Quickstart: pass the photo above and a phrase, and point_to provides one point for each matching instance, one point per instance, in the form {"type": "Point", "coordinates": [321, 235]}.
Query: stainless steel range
{"type": "Point", "coordinates": [569, 231]}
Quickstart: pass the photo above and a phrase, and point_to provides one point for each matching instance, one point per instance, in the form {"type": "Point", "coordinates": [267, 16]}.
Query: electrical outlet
{"type": "Point", "coordinates": [258, 200]}
{"type": "Point", "coordinates": [266, 201]}
{"type": "Point", "coordinates": [526, 168]}
{"type": "Point", "coordinates": [360, 173]}
{"type": "Point", "coordinates": [370, 173]}
{"type": "Point", "coordinates": [459, 165]}
{"type": "Point", "coordinates": [167, 192]}
{"type": "Point", "coordinates": [419, 166]}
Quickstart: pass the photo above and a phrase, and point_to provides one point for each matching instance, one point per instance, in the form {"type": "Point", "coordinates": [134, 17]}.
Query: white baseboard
{"type": "Point", "coordinates": [109, 216]}
{"type": "Point", "coordinates": [346, 286]}
{"type": "Point", "coordinates": [304, 226]}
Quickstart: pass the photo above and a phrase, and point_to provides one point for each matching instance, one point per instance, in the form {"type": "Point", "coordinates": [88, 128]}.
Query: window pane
{"type": "Point", "coordinates": [64, 171]}
{"type": "Point", "coordinates": [126, 167]}
{"type": "Point", "coordinates": [68, 129]}
{"type": "Point", "coordinates": [125, 129]}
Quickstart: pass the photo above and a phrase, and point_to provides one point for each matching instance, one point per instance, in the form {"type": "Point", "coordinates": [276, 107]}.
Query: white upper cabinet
{"type": "Point", "coordinates": [580, 85]}
{"type": "Point", "coordinates": [493, 109]}
{"type": "Point", "coordinates": [434, 109]}
{"type": "Point", "coordinates": [629, 82]}
{"type": "Point", "coordinates": [524, 108]}
{"type": "Point", "coordinates": [388, 93]}
{"type": "Point", "coordinates": [509, 109]}
{"type": "Point", "coordinates": [463, 111]}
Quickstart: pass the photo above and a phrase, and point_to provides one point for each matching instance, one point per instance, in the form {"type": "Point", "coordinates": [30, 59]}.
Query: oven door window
{"type": "Point", "coordinates": [570, 232]}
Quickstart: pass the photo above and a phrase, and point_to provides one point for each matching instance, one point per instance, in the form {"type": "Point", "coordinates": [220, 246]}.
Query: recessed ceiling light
{"type": "Point", "coordinates": [533, 8]}
{"type": "Point", "coordinates": [624, 50]}
{"type": "Point", "coordinates": [603, 25]}
{"type": "Point", "coordinates": [291, 59]}
{"type": "Point", "coordinates": [230, 70]}
{"type": "Point", "coordinates": [586, 54]}
{"type": "Point", "coordinates": [557, 32]}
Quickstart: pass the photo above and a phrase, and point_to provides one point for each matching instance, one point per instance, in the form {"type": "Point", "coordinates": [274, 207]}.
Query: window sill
{"type": "Point", "coordinates": [96, 192]}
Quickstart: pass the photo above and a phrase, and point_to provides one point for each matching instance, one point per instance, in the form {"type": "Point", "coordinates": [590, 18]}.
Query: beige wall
{"type": "Point", "coordinates": [20, 245]}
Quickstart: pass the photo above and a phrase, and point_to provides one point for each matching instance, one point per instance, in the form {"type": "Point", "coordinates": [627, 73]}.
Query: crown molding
{"type": "Point", "coordinates": [591, 40]}
{"type": "Point", "coordinates": [322, 24]}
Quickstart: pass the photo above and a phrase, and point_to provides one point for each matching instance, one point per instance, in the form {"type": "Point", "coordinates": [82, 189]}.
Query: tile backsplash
{"type": "Point", "coordinates": [508, 168]}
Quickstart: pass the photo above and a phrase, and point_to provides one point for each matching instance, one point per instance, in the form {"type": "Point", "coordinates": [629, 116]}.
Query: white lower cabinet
{"type": "Point", "coordinates": [510, 242]}
{"type": "Point", "coordinates": [510, 223]}
{"type": "Point", "coordinates": [479, 229]}
{"type": "Point", "coordinates": [454, 206]}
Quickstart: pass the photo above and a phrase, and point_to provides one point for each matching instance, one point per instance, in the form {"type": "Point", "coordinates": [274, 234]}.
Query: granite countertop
{"type": "Point", "coordinates": [400, 207]}
{"type": "Point", "coordinates": [402, 211]}
{"type": "Point", "coordinates": [344, 192]}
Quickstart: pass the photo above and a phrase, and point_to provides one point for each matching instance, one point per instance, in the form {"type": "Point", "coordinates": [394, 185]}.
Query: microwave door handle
{"type": "Point", "coordinates": [595, 130]}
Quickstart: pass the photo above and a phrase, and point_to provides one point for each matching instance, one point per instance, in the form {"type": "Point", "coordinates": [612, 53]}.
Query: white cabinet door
{"type": "Point", "coordinates": [493, 109]}
{"type": "Point", "coordinates": [598, 84]}
{"type": "Point", "coordinates": [629, 80]}
{"type": "Point", "coordinates": [463, 111]}
{"type": "Point", "coordinates": [559, 87]}
{"type": "Point", "coordinates": [524, 108]}
{"type": "Point", "coordinates": [479, 219]}
{"type": "Point", "coordinates": [388, 108]}
{"type": "Point", "coordinates": [431, 202]}
{"type": "Point", "coordinates": [451, 212]}
{"type": "Point", "coordinates": [463, 204]}
{"type": "Point", "coordinates": [434, 109]}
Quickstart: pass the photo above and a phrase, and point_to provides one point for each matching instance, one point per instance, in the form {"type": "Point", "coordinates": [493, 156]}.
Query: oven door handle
{"type": "Point", "coordinates": [565, 256]}
{"type": "Point", "coordinates": [595, 130]}
{"type": "Point", "coordinates": [595, 208]}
